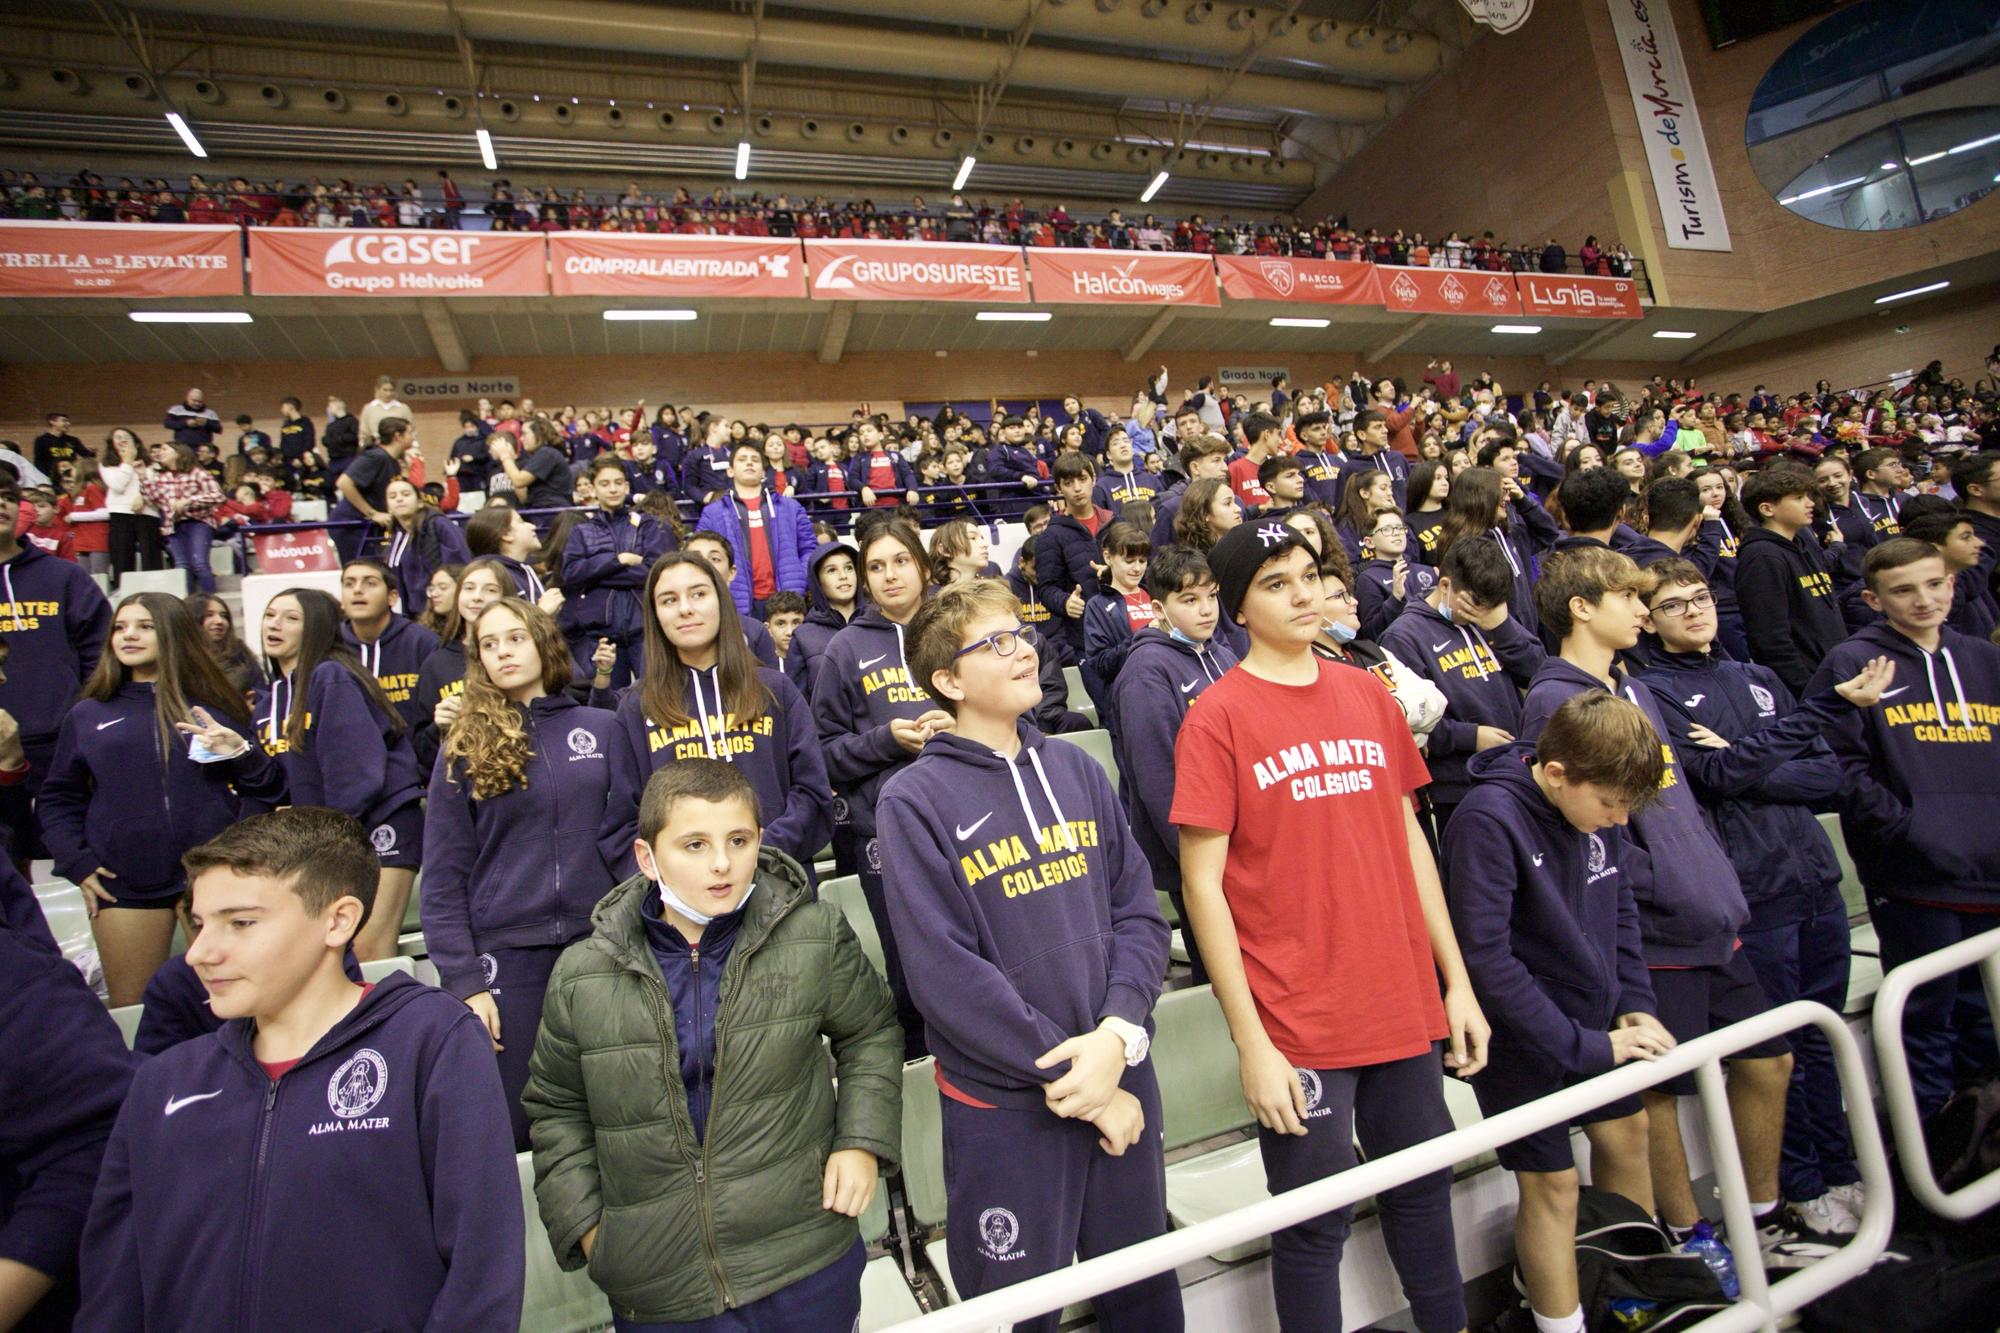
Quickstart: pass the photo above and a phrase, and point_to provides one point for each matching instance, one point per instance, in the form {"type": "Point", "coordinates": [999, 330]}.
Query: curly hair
{"type": "Point", "coordinates": [488, 747]}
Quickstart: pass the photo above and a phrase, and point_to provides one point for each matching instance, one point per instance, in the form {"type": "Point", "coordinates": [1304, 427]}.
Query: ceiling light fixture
{"type": "Point", "coordinates": [1914, 291]}
{"type": "Point", "coordinates": [1517, 328]}
{"type": "Point", "coordinates": [1014, 316]}
{"type": "Point", "coordinates": [1674, 333]}
{"type": "Point", "coordinates": [964, 173]}
{"type": "Point", "coordinates": [1154, 188]}
{"type": "Point", "coordinates": [486, 157]}
{"type": "Point", "coordinates": [187, 134]}
{"type": "Point", "coordinates": [1297, 322]}
{"type": "Point", "coordinates": [743, 160]}
{"type": "Point", "coordinates": [1824, 189]}
{"type": "Point", "coordinates": [638, 316]}
{"type": "Point", "coordinates": [190, 316]}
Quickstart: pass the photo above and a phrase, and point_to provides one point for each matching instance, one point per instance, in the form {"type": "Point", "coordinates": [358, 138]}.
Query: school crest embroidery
{"type": "Point", "coordinates": [874, 854]}
{"type": "Point", "coordinates": [1596, 854]}
{"type": "Point", "coordinates": [1766, 705]}
{"type": "Point", "coordinates": [582, 743]}
{"type": "Point", "coordinates": [358, 1085]}
{"type": "Point", "coordinates": [1309, 1082]}
{"type": "Point", "coordinates": [998, 1230]}
{"type": "Point", "coordinates": [384, 839]}
{"type": "Point", "coordinates": [840, 809]}
{"type": "Point", "coordinates": [489, 969]}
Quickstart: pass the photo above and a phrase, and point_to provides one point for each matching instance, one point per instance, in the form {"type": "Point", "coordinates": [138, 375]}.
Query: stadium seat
{"type": "Point", "coordinates": [1201, 1098]}
{"type": "Point", "coordinates": [68, 918]}
{"type": "Point", "coordinates": [886, 1298]}
{"type": "Point", "coordinates": [1079, 698]}
{"type": "Point", "coordinates": [1850, 881]}
{"type": "Point", "coordinates": [845, 893]}
{"type": "Point", "coordinates": [127, 1016]}
{"type": "Point", "coordinates": [554, 1301]}
{"type": "Point", "coordinates": [382, 967]}
{"type": "Point", "coordinates": [1864, 973]}
{"type": "Point", "coordinates": [412, 910]}
{"type": "Point", "coordinates": [923, 1142]}
{"type": "Point", "coordinates": [1096, 744]}
{"type": "Point", "coordinates": [173, 582]}
{"type": "Point", "coordinates": [424, 970]}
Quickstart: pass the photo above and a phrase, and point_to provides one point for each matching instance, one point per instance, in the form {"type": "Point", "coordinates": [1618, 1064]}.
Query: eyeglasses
{"type": "Point", "coordinates": [1674, 608]}
{"type": "Point", "coordinates": [1343, 596]}
{"type": "Point", "coordinates": [1004, 643]}
{"type": "Point", "coordinates": [1390, 529]}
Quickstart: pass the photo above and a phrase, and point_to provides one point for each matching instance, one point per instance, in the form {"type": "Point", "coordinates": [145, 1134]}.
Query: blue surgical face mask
{"type": "Point", "coordinates": [673, 901]}
{"type": "Point", "coordinates": [1340, 633]}
{"type": "Point", "coordinates": [1174, 633]}
{"type": "Point", "coordinates": [1444, 609]}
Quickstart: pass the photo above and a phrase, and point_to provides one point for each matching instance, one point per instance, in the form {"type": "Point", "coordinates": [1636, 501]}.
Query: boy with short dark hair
{"type": "Point", "coordinates": [1167, 668]}
{"type": "Point", "coordinates": [1676, 526]}
{"type": "Point", "coordinates": [1066, 551]}
{"type": "Point", "coordinates": [327, 1128]}
{"type": "Point", "coordinates": [1930, 518]}
{"type": "Point", "coordinates": [1316, 901]}
{"type": "Point", "coordinates": [1691, 904]}
{"type": "Point", "coordinates": [1782, 583]}
{"type": "Point", "coordinates": [1284, 480]}
{"type": "Point", "coordinates": [392, 647]}
{"type": "Point", "coordinates": [1263, 436]}
{"type": "Point", "coordinates": [1918, 805]}
{"type": "Point", "coordinates": [1036, 952]}
{"type": "Point", "coordinates": [1123, 481]}
{"type": "Point", "coordinates": [1551, 939]}
{"type": "Point", "coordinates": [1385, 580]}
{"type": "Point", "coordinates": [1200, 456]}
{"type": "Point", "coordinates": [783, 614]}
{"type": "Point", "coordinates": [1117, 614]}
{"type": "Point", "coordinates": [729, 1190]}
{"type": "Point", "coordinates": [716, 550]}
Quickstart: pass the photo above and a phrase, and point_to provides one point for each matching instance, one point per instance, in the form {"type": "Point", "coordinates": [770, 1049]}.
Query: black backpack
{"type": "Point", "coordinates": [1622, 1255]}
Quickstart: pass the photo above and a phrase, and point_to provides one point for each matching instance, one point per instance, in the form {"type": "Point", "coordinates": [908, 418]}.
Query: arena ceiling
{"type": "Point", "coordinates": [1247, 105]}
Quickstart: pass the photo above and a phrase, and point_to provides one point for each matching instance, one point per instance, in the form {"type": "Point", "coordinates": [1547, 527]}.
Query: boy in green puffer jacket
{"type": "Point", "coordinates": [693, 1185]}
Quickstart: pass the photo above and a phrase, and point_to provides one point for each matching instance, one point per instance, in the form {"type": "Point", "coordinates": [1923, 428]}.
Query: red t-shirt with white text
{"type": "Point", "coordinates": [1309, 782]}
{"type": "Point", "coordinates": [763, 577]}
{"type": "Point", "coordinates": [1243, 480]}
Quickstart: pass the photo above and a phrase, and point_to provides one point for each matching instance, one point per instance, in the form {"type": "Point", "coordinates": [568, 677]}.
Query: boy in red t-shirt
{"type": "Point", "coordinates": [1264, 436]}
{"type": "Point", "coordinates": [1317, 907]}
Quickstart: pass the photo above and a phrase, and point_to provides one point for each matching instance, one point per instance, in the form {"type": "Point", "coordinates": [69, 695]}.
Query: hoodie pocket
{"type": "Point", "coordinates": [1956, 833]}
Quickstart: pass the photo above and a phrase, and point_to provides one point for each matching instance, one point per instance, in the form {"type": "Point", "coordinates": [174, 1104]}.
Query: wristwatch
{"type": "Point", "coordinates": [1137, 1043]}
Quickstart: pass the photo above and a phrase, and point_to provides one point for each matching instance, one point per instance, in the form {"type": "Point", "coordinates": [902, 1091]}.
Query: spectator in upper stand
{"type": "Point", "coordinates": [342, 437]}
{"type": "Point", "coordinates": [1440, 376]}
{"type": "Point", "coordinates": [1401, 421]}
{"type": "Point", "coordinates": [1554, 258]}
{"type": "Point", "coordinates": [296, 437]}
{"type": "Point", "coordinates": [1123, 481]}
{"type": "Point", "coordinates": [1206, 404]}
{"type": "Point", "coordinates": [193, 421]}
{"type": "Point", "coordinates": [1605, 417]}
{"type": "Point", "coordinates": [383, 405]}
{"type": "Point", "coordinates": [1095, 425]}
{"type": "Point", "coordinates": [1782, 584]}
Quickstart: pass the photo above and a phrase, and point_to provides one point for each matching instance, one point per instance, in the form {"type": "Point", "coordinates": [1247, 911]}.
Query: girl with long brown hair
{"type": "Point", "coordinates": [126, 794]}
{"type": "Point", "coordinates": [1208, 509]}
{"type": "Point", "coordinates": [703, 695]}
{"type": "Point", "coordinates": [1484, 503]}
{"type": "Point", "coordinates": [514, 809]}
{"type": "Point", "coordinates": [344, 747]}
{"type": "Point", "coordinates": [440, 690]}
{"type": "Point", "coordinates": [421, 542]}
{"type": "Point", "coordinates": [218, 631]}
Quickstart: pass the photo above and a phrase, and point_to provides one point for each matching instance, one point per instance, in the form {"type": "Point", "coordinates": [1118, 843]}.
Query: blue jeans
{"type": "Point", "coordinates": [1808, 960]}
{"type": "Point", "coordinates": [188, 544]}
{"type": "Point", "coordinates": [1947, 1029]}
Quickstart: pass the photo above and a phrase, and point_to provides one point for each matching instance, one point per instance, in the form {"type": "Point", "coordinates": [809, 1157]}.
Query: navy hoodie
{"type": "Point", "coordinates": [1789, 613]}
{"type": "Point", "coordinates": [705, 472]}
{"type": "Point", "coordinates": [56, 623]}
{"type": "Point", "coordinates": [1690, 902]}
{"type": "Point", "coordinates": [1919, 805]}
{"type": "Point", "coordinates": [1161, 679]}
{"type": "Point", "coordinates": [1038, 618]}
{"type": "Point", "coordinates": [779, 752]}
{"type": "Point", "coordinates": [119, 796]}
{"type": "Point", "coordinates": [396, 659]}
{"type": "Point", "coordinates": [1374, 581]}
{"type": "Point", "coordinates": [353, 760]}
{"type": "Point", "coordinates": [520, 869]}
{"type": "Point", "coordinates": [1021, 905]}
{"type": "Point", "coordinates": [175, 1008]}
{"type": "Point", "coordinates": [1481, 676]}
{"type": "Point", "coordinates": [862, 684]}
{"type": "Point", "coordinates": [439, 542]}
{"type": "Point", "coordinates": [600, 592]}
{"type": "Point", "coordinates": [1065, 554]}
{"type": "Point", "coordinates": [371, 1186]}
{"type": "Point", "coordinates": [822, 621]}
{"type": "Point", "coordinates": [1545, 916]}
{"type": "Point", "coordinates": [1762, 791]}
{"type": "Point", "coordinates": [441, 677]}
{"type": "Point", "coordinates": [1115, 490]}
{"type": "Point", "coordinates": [1528, 531]}
{"type": "Point", "coordinates": [1107, 638]}
{"type": "Point", "coordinates": [528, 584]}
{"type": "Point", "coordinates": [1325, 476]}
{"type": "Point", "coordinates": [68, 1070]}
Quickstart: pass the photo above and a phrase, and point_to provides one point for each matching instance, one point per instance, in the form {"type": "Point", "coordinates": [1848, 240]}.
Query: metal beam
{"type": "Point", "coordinates": [445, 337]}
{"type": "Point", "coordinates": [1156, 327]}
{"type": "Point", "coordinates": [834, 341]}
{"type": "Point", "coordinates": [1596, 339]}
{"type": "Point", "coordinates": [988, 96]}
{"type": "Point", "coordinates": [1401, 336]}
{"type": "Point", "coordinates": [1235, 72]}
{"type": "Point", "coordinates": [1720, 342]}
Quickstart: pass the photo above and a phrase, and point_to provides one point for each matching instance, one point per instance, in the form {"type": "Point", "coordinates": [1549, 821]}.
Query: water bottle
{"type": "Point", "coordinates": [1716, 1255]}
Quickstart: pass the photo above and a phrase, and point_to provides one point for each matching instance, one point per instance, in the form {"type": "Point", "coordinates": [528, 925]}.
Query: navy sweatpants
{"type": "Point", "coordinates": [828, 1301]}
{"type": "Point", "coordinates": [1808, 960]}
{"type": "Point", "coordinates": [1947, 1029]}
{"type": "Point", "coordinates": [517, 979]}
{"type": "Point", "coordinates": [1029, 1190]}
{"type": "Point", "coordinates": [1390, 1107]}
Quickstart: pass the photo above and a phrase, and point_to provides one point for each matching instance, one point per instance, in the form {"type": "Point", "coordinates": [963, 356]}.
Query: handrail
{"type": "Point", "coordinates": [1899, 1093]}
{"type": "Point", "coordinates": [1762, 1301]}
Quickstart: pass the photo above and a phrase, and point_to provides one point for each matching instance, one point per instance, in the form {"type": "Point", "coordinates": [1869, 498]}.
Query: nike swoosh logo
{"type": "Point", "coordinates": [967, 831]}
{"type": "Point", "coordinates": [1890, 694]}
{"type": "Point", "coordinates": [870, 662]}
{"type": "Point", "coordinates": [1695, 701]}
{"type": "Point", "coordinates": [1190, 685]}
{"type": "Point", "coordinates": [1536, 858]}
{"type": "Point", "coordinates": [176, 1103]}
{"type": "Point", "coordinates": [1440, 647]}
{"type": "Point", "coordinates": [112, 723]}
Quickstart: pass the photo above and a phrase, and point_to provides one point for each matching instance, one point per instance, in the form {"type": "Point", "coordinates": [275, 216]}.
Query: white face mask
{"type": "Point", "coordinates": [674, 903]}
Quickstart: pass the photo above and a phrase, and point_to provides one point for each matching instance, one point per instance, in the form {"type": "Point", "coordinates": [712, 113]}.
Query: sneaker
{"type": "Point", "coordinates": [1784, 1246]}
{"type": "Point", "coordinates": [1851, 1199]}
{"type": "Point", "coordinates": [1822, 1217]}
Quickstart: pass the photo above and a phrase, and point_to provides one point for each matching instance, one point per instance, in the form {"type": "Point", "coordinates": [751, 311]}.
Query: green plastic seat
{"type": "Point", "coordinates": [886, 1299]}
{"type": "Point", "coordinates": [923, 1142]}
{"type": "Point", "coordinates": [128, 1022]}
{"type": "Point", "coordinates": [1850, 882]}
{"type": "Point", "coordinates": [845, 893]}
{"type": "Point", "coordinates": [382, 967]}
{"type": "Point", "coordinates": [941, 1262]}
{"type": "Point", "coordinates": [554, 1301]}
{"type": "Point", "coordinates": [1201, 1097]}
{"type": "Point", "coordinates": [1096, 744]}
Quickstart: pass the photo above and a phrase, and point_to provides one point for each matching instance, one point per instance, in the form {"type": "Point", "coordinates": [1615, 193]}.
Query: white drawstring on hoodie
{"type": "Point", "coordinates": [902, 656]}
{"type": "Point", "coordinates": [1205, 659]}
{"type": "Point", "coordinates": [272, 727]}
{"type": "Point", "coordinates": [1021, 793]}
{"type": "Point", "coordinates": [701, 714]}
{"type": "Point", "coordinates": [1466, 633]}
{"type": "Point", "coordinates": [1957, 689]}
{"type": "Point", "coordinates": [399, 545]}
{"type": "Point", "coordinates": [1506, 548]}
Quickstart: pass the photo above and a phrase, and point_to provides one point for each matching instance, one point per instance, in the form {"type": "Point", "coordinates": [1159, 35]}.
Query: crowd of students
{"type": "Point", "coordinates": [1460, 746]}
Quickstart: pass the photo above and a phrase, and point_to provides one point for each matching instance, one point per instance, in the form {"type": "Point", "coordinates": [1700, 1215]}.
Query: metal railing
{"type": "Point", "coordinates": [1763, 1302]}
{"type": "Point", "coordinates": [1899, 1093]}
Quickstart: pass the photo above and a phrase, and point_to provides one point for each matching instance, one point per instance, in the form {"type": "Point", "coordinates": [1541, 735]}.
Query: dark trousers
{"type": "Point", "coordinates": [188, 543]}
{"type": "Point", "coordinates": [829, 1299]}
{"type": "Point", "coordinates": [1389, 1107]}
{"type": "Point", "coordinates": [1808, 960]}
{"type": "Point", "coordinates": [914, 1045]}
{"type": "Point", "coordinates": [1947, 1029]}
{"type": "Point", "coordinates": [1028, 1191]}
{"type": "Point", "coordinates": [134, 542]}
{"type": "Point", "coordinates": [517, 979]}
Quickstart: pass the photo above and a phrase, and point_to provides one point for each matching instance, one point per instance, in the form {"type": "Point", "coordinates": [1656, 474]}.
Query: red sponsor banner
{"type": "Point", "coordinates": [1276, 278]}
{"type": "Point", "coordinates": [119, 259]}
{"type": "Point", "coordinates": [287, 261]}
{"type": "Point", "coordinates": [1577, 296]}
{"type": "Point", "coordinates": [1448, 291]}
{"type": "Point", "coordinates": [589, 263]}
{"type": "Point", "coordinates": [295, 552]}
{"type": "Point", "coordinates": [915, 271]}
{"type": "Point", "coordinates": [1122, 277]}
